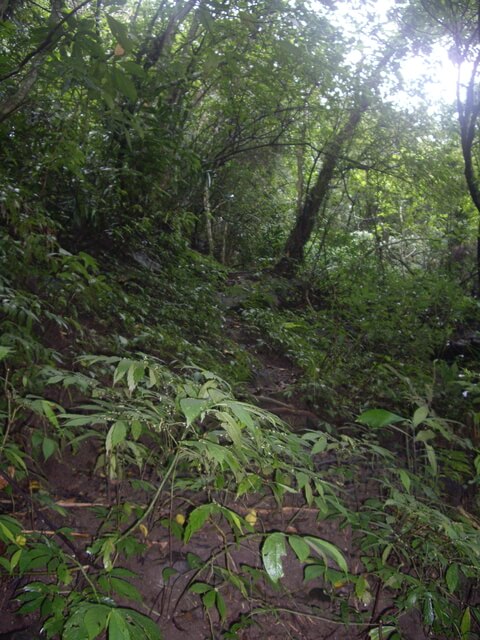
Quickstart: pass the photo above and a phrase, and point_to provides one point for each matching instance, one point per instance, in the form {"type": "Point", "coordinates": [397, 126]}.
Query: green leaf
{"type": "Point", "coordinates": [405, 479]}
{"type": "Point", "coordinates": [136, 429]}
{"type": "Point", "coordinates": [300, 547]}
{"type": "Point", "coordinates": [209, 599]}
{"type": "Point", "coordinates": [117, 627]}
{"type": "Point", "coordinates": [136, 371]}
{"type": "Point", "coordinates": [452, 577]}
{"type": "Point", "coordinates": [428, 610]}
{"type": "Point", "coordinates": [125, 589]}
{"type": "Point", "coordinates": [320, 445]}
{"type": "Point", "coordinates": [232, 428]}
{"type": "Point", "coordinates": [221, 606]}
{"type": "Point", "coordinates": [95, 620]}
{"type": "Point", "coordinates": [327, 549]}
{"type": "Point", "coordinates": [116, 434]}
{"type": "Point", "coordinates": [49, 414]}
{"type": "Point", "coordinates": [432, 458]}
{"type": "Point", "coordinates": [466, 624]}
{"type": "Point", "coordinates": [121, 369]}
{"type": "Point", "coordinates": [241, 413]}
{"type": "Point", "coordinates": [133, 68]}
{"type": "Point", "coordinates": [120, 33]}
{"type": "Point", "coordinates": [49, 447]}
{"type": "Point", "coordinates": [380, 633]}
{"type": "Point", "coordinates": [200, 587]}
{"type": "Point", "coordinates": [167, 573]}
{"type": "Point", "coordinates": [5, 351]}
{"type": "Point", "coordinates": [424, 435]}
{"type": "Point", "coordinates": [273, 550]}
{"type": "Point", "coordinates": [192, 408]}
{"type": "Point", "coordinates": [197, 519]}
{"type": "Point", "coordinates": [146, 625]}
{"type": "Point", "coordinates": [124, 84]}
{"type": "Point", "coordinates": [314, 571]}
{"type": "Point", "coordinates": [378, 418]}
{"type": "Point", "coordinates": [419, 416]}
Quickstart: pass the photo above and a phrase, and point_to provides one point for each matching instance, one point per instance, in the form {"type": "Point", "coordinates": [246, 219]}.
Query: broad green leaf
{"type": "Point", "coordinates": [6, 533]}
{"type": "Point", "coordinates": [133, 69]}
{"type": "Point", "coordinates": [232, 428]}
{"type": "Point", "coordinates": [126, 589]}
{"type": "Point", "coordinates": [428, 610]}
{"type": "Point", "coordinates": [221, 606]}
{"type": "Point", "coordinates": [149, 628]}
{"type": "Point", "coordinates": [209, 599]}
{"type": "Point", "coordinates": [95, 620]}
{"type": "Point", "coordinates": [197, 519]}
{"type": "Point", "coordinates": [320, 445]}
{"type": "Point", "coordinates": [136, 429]}
{"type": "Point", "coordinates": [49, 447]}
{"type": "Point", "coordinates": [380, 633]}
{"type": "Point", "coordinates": [361, 586]}
{"type": "Point", "coordinates": [452, 577]}
{"type": "Point", "coordinates": [192, 408]}
{"type": "Point", "coordinates": [314, 571]}
{"type": "Point", "coordinates": [466, 624]}
{"type": "Point", "coordinates": [273, 550]}
{"type": "Point", "coordinates": [116, 434]}
{"type": "Point", "coordinates": [302, 479]}
{"type": "Point", "coordinates": [5, 351]}
{"type": "Point", "coordinates": [135, 374]}
{"type": "Point", "coordinates": [49, 413]}
{"type": "Point", "coordinates": [327, 550]}
{"type": "Point", "coordinates": [241, 413]}
{"type": "Point", "coordinates": [167, 573]}
{"type": "Point", "coordinates": [200, 587]}
{"type": "Point", "coordinates": [419, 416]}
{"type": "Point", "coordinates": [432, 458]}
{"type": "Point", "coordinates": [233, 518]}
{"type": "Point", "coordinates": [15, 559]}
{"type": "Point", "coordinates": [300, 547]}
{"type": "Point", "coordinates": [378, 418]}
{"type": "Point", "coordinates": [121, 369]}
{"type": "Point", "coordinates": [424, 435]}
{"type": "Point", "coordinates": [405, 479]}
{"type": "Point", "coordinates": [117, 627]}
{"type": "Point", "coordinates": [120, 33]}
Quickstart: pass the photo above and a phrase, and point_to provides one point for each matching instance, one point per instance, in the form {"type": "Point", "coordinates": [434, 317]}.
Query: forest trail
{"type": "Point", "coordinates": [274, 376]}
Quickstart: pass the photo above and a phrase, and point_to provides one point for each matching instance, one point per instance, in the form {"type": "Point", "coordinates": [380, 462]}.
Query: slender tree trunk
{"type": "Point", "coordinates": [317, 195]}
{"type": "Point", "coordinates": [468, 113]}
{"type": "Point", "coordinates": [207, 210]}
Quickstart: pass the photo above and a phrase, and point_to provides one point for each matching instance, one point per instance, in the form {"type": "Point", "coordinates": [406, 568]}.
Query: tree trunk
{"type": "Point", "coordinates": [468, 113]}
{"type": "Point", "coordinates": [207, 210]}
{"type": "Point", "coordinates": [316, 196]}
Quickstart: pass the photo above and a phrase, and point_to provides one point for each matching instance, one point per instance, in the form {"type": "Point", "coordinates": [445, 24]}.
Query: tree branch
{"type": "Point", "coordinates": [43, 46]}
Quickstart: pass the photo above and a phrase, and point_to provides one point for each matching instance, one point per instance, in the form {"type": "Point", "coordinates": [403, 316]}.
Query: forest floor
{"type": "Point", "coordinates": [294, 609]}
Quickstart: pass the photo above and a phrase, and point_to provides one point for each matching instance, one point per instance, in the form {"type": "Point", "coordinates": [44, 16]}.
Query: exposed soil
{"type": "Point", "coordinates": [295, 609]}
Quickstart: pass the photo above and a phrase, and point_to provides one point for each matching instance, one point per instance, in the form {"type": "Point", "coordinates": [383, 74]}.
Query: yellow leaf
{"type": "Point", "coordinates": [180, 519]}
{"type": "Point", "coordinates": [21, 541]}
{"type": "Point", "coordinates": [251, 517]}
{"type": "Point", "coordinates": [143, 529]}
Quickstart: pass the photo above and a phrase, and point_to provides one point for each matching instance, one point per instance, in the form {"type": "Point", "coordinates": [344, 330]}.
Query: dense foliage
{"type": "Point", "coordinates": [152, 150]}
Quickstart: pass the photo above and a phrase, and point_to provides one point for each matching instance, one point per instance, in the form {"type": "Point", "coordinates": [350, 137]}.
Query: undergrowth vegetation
{"type": "Point", "coordinates": [152, 381]}
{"type": "Point", "coordinates": [239, 321]}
